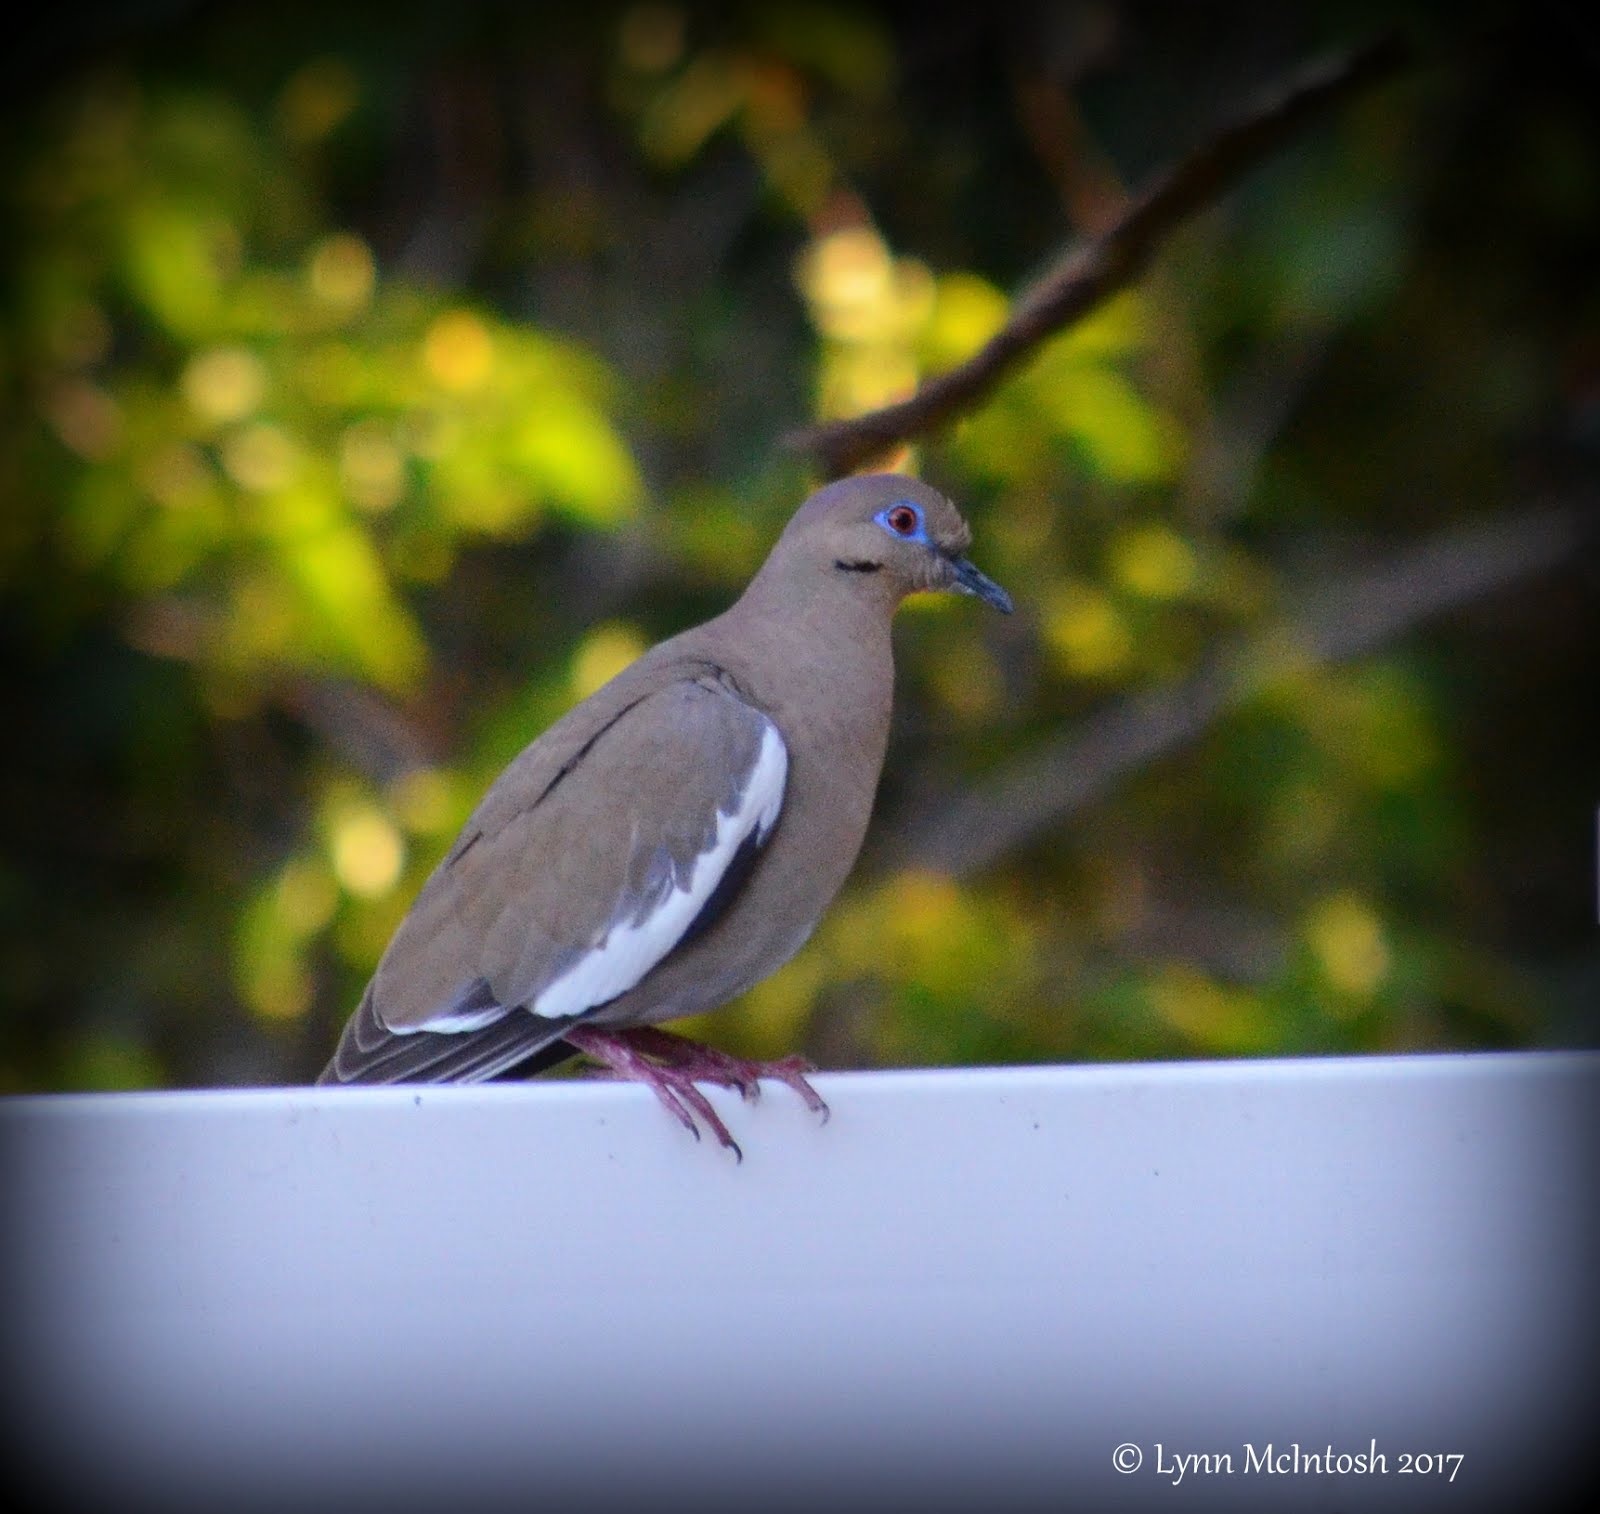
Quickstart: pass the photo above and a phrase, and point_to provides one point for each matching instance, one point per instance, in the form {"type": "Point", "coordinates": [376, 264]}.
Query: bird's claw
{"type": "Point", "coordinates": [672, 1066]}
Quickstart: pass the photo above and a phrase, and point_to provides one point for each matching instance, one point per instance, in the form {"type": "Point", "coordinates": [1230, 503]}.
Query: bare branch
{"type": "Point", "coordinates": [1356, 615]}
{"type": "Point", "coordinates": [367, 731]}
{"type": "Point", "coordinates": [1097, 269]}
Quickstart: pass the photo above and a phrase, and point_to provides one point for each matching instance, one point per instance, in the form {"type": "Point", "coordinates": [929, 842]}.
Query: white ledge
{"type": "Point", "coordinates": [966, 1290]}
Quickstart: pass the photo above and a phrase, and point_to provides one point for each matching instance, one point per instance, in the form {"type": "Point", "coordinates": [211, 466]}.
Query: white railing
{"type": "Point", "coordinates": [1340, 1284]}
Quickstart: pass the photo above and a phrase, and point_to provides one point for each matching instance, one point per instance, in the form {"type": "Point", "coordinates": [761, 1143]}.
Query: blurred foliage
{"type": "Point", "coordinates": [380, 383]}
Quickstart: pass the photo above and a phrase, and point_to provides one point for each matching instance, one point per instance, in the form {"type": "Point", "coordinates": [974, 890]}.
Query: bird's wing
{"type": "Point", "coordinates": [563, 893]}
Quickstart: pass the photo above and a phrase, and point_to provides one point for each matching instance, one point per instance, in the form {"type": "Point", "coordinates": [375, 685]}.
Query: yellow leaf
{"type": "Point", "coordinates": [1350, 944]}
{"type": "Point", "coordinates": [1126, 441]}
{"type": "Point", "coordinates": [570, 452]}
{"type": "Point", "coordinates": [967, 311]}
{"type": "Point", "coordinates": [1153, 560]}
{"type": "Point", "coordinates": [602, 654]}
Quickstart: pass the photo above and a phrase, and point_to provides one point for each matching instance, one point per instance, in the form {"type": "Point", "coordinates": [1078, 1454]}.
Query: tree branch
{"type": "Point", "coordinates": [1097, 269]}
{"type": "Point", "coordinates": [358, 723]}
{"type": "Point", "coordinates": [1354, 616]}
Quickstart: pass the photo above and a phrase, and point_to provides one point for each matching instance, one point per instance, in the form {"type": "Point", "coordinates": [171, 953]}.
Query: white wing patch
{"type": "Point", "coordinates": [457, 1024]}
{"type": "Point", "coordinates": [628, 952]}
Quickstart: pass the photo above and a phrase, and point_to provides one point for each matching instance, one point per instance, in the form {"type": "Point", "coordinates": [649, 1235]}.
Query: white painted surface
{"type": "Point", "coordinates": [965, 1291]}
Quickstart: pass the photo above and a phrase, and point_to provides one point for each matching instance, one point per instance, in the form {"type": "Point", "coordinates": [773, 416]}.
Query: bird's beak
{"type": "Point", "coordinates": [969, 580]}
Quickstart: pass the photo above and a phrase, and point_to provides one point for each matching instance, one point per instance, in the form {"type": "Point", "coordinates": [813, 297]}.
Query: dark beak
{"type": "Point", "coordinates": [969, 580]}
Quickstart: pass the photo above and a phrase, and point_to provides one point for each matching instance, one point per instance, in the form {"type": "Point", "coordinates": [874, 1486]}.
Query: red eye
{"type": "Point", "coordinates": [903, 520]}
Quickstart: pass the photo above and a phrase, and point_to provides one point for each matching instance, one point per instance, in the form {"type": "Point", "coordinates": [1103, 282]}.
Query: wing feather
{"type": "Point", "coordinates": [545, 910]}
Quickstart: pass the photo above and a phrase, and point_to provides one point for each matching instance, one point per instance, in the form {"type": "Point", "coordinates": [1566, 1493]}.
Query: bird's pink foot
{"type": "Point", "coordinates": [705, 1064]}
{"type": "Point", "coordinates": [671, 1065]}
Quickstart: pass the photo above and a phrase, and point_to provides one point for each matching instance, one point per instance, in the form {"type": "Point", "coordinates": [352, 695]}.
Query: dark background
{"type": "Point", "coordinates": [378, 379]}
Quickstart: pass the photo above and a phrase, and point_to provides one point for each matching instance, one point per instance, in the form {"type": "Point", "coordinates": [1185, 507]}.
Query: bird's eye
{"type": "Point", "coordinates": [903, 520]}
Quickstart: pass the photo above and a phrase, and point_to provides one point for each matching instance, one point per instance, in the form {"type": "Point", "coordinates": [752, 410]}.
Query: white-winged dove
{"type": "Point", "coordinates": [676, 836]}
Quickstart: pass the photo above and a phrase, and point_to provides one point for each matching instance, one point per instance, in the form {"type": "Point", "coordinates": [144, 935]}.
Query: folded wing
{"type": "Point", "coordinates": [558, 899]}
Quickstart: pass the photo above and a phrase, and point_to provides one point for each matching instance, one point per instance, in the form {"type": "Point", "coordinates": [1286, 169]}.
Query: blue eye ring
{"type": "Point", "coordinates": [903, 519]}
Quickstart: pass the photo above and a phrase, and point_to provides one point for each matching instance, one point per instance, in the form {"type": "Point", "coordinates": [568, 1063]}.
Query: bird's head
{"type": "Point", "coordinates": [889, 535]}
